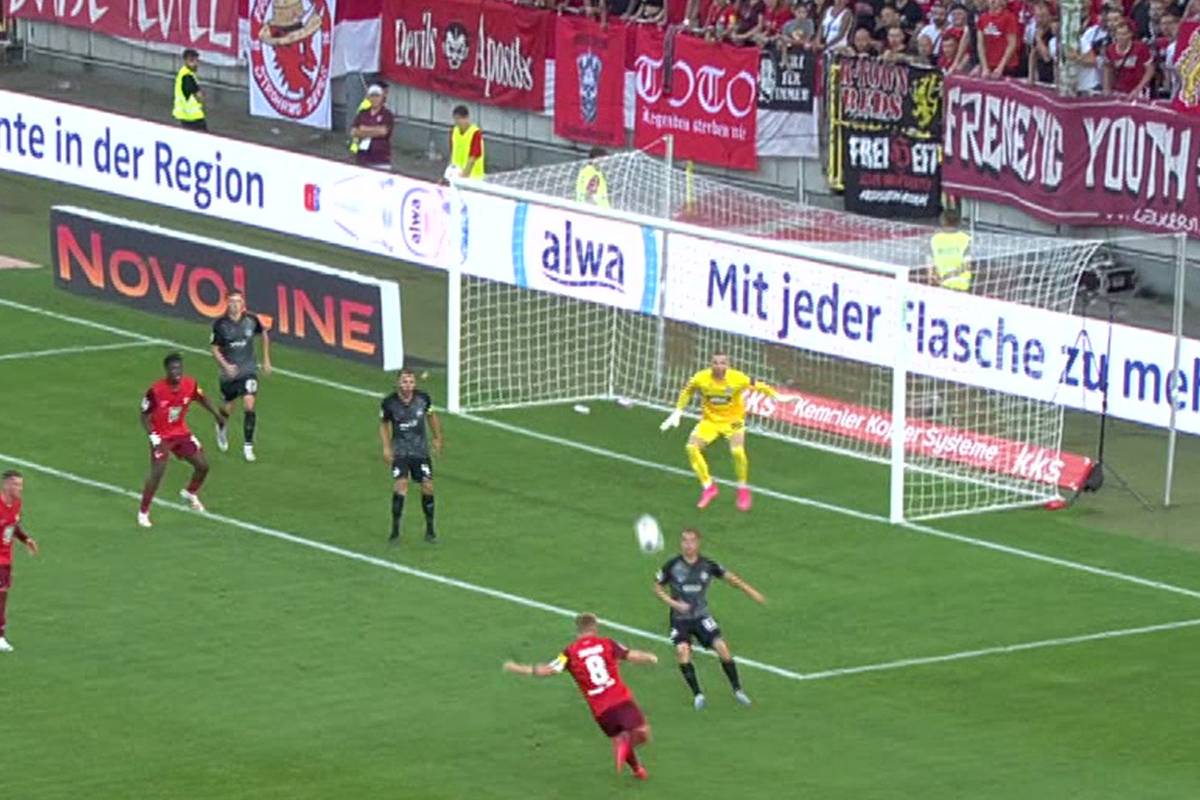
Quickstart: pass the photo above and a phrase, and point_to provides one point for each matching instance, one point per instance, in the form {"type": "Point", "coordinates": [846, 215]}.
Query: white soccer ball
{"type": "Point", "coordinates": [649, 535]}
{"type": "Point", "coordinates": [452, 172]}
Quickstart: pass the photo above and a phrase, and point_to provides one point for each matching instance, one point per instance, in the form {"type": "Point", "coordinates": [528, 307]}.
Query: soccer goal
{"type": "Point", "coordinates": [563, 301]}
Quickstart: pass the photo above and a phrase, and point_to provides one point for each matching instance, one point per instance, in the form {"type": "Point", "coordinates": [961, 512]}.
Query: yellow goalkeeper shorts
{"type": "Point", "coordinates": [707, 431]}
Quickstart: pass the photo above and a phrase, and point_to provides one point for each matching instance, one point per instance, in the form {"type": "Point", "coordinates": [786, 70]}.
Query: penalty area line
{"type": "Point", "coordinates": [527, 602]}
{"type": "Point", "coordinates": [995, 547]}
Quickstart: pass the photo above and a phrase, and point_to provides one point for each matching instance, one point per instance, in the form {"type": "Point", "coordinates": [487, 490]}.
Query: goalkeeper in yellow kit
{"type": "Point", "coordinates": [723, 414]}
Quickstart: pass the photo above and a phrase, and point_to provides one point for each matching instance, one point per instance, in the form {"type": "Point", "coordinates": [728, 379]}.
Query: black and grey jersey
{"type": "Point", "coordinates": [235, 338]}
{"type": "Point", "coordinates": [409, 436]}
{"type": "Point", "coordinates": [689, 583]}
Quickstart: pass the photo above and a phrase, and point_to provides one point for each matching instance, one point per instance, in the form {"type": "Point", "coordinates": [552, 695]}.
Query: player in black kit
{"type": "Point", "coordinates": [402, 418]}
{"type": "Point", "coordinates": [233, 348]}
{"type": "Point", "coordinates": [688, 576]}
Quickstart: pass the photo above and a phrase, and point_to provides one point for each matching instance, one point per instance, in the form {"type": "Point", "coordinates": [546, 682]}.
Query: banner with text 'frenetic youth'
{"type": "Point", "coordinates": [1075, 161]}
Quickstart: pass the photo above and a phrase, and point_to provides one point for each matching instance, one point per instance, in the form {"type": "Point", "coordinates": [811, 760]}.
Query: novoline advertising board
{"type": "Point", "coordinates": [180, 275]}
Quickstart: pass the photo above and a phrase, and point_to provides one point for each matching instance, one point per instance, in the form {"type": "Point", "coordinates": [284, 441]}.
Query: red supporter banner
{"type": "Point", "coordinates": [206, 25]}
{"type": "Point", "coordinates": [482, 50]}
{"type": "Point", "coordinates": [1187, 63]}
{"type": "Point", "coordinates": [706, 97]}
{"type": "Point", "coordinates": [1076, 161]}
{"type": "Point", "coordinates": [589, 81]}
{"type": "Point", "coordinates": [1002, 456]}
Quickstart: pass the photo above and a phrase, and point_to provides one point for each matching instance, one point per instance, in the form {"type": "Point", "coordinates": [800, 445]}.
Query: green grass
{"type": "Point", "coordinates": [205, 660]}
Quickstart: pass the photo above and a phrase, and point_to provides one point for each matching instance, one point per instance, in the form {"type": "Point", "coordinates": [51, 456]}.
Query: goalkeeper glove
{"type": "Point", "coordinates": [155, 440]}
{"type": "Point", "coordinates": [671, 421]}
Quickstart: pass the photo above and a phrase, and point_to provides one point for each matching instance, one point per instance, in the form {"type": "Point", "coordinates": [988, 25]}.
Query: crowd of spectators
{"type": "Point", "coordinates": [1125, 47]}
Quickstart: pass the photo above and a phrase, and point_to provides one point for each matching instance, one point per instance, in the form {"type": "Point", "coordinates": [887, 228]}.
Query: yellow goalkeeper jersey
{"type": "Point", "coordinates": [721, 401]}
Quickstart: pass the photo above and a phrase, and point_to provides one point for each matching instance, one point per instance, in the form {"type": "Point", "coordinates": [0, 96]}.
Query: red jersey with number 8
{"type": "Point", "coordinates": [168, 405]}
{"type": "Point", "coordinates": [593, 663]}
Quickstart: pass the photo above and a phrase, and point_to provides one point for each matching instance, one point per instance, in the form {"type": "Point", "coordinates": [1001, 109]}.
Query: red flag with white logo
{"type": "Point", "coordinates": [589, 81]}
{"type": "Point", "coordinates": [708, 103]}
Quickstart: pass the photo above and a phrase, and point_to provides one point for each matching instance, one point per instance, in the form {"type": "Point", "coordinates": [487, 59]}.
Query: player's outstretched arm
{"type": "Point", "coordinates": [681, 403]}
{"type": "Point", "coordinates": [641, 657]}
{"type": "Point", "coordinates": [536, 670]}
{"type": "Point", "coordinates": [27, 540]}
{"type": "Point", "coordinates": [202, 398]}
{"type": "Point", "coordinates": [737, 582]}
{"type": "Point", "coordinates": [678, 605]}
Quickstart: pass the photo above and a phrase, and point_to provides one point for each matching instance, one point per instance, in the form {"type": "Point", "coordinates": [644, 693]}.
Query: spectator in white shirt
{"type": "Point", "coordinates": [933, 28]}
{"type": "Point", "coordinates": [1088, 73]}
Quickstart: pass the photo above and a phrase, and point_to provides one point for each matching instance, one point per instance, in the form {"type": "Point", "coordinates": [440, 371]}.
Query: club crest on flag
{"type": "Point", "coordinates": [590, 66]}
{"type": "Point", "coordinates": [291, 43]}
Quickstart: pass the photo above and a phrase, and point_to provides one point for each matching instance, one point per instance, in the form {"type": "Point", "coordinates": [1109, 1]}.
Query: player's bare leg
{"type": "Point", "coordinates": [399, 492]}
{"type": "Point", "coordinates": [695, 453]}
{"type": "Point", "coordinates": [427, 507]}
{"type": "Point", "coordinates": [158, 468]}
{"type": "Point", "coordinates": [223, 428]}
{"type": "Point", "coordinates": [637, 738]}
{"type": "Point", "coordinates": [731, 672]}
{"type": "Point", "coordinates": [199, 473]}
{"type": "Point", "coordinates": [741, 468]}
{"type": "Point", "coordinates": [683, 653]}
{"type": "Point", "coordinates": [249, 422]}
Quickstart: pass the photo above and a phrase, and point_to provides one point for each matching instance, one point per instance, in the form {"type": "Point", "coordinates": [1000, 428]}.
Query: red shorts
{"type": "Point", "coordinates": [620, 719]}
{"type": "Point", "coordinates": [5, 577]}
{"type": "Point", "coordinates": [179, 446]}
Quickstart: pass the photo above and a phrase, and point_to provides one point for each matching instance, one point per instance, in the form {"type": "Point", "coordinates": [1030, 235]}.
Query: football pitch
{"type": "Point", "coordinates": [277, 647]}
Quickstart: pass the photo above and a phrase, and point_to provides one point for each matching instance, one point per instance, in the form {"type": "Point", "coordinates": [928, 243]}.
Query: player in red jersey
{"type": "Point", "coordinates": [12, 486]}
{"type": "Point", "coordinates": [164, 416]}
{"type": "Point", "coordinates": [594, 663]}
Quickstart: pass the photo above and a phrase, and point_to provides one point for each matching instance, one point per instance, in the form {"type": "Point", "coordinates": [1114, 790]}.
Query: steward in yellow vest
{"type": "Point", "coordinates": [949, 246]}
{"type": "Point", "coordinates": [188, 107]}
{"type": "Point", "coordinates": [466, 145]}
{"type": "Point", "coordinates": [591, 185]}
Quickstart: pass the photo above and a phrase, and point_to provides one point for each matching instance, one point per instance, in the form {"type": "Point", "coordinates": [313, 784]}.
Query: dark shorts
{"type": "Point", "coordinates": [182, 447]}
{"type": "Point", "coordinates": [5, 577]}
{"type": "Point", "coordinates": [704, 630]}
{"type": "Point", "coordinates": [419, 469]}
{"type": "Point", "coordinates": [621, 719]}
{"type": "Point", "coordinates": [194, 124]}
{"type": "Point", "coordinates": [239, 387]}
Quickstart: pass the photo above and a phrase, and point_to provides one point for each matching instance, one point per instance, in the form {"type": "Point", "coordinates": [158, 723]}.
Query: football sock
{"type": "Point", "coordinates": [731, 673]}
{"type": "Point", "coordinates": [147, 498]}
{"type": "Point", "coordinates": [699, 464]}
{"type": "Point", "coordinates": [427, 507]}
{"type": "Point", "coordinates": [689, 675]}
{"type": "Point", "coordinates": [224, 416]}
{"type": "Point", "coordinates": [3, 603]}
{"type": "Point", "coordinates": [196, 482]}
{"type": "Point", "coordinates": [632, 759]}
{"type": "Point", "coordinates": [741, 465]}
{"type": "Point", "coordinates": [397, 510]}
{"type": "Point", "coordinates": [248, 422]}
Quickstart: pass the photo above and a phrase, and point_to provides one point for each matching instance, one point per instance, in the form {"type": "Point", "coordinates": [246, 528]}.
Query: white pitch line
{"type": "Point", "coordinates": [66, 351]}
{"type": "Point", "coordinates": [527, 602]}
{"type": "Point", "coordinates": [628, 459]}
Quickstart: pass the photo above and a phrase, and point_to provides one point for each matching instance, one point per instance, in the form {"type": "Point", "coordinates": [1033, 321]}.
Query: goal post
{"type": "Point", "coordinates": [559, 301]}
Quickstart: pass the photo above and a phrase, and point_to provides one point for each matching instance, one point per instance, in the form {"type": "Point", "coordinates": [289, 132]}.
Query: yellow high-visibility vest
{"type": "Point", "coordinates": [363, 106]}
{"type": "Point", "coordinates": [950, 259]}
{"type": "Point", "coordinates": [591, 186]}
{"type": "Point", "coordinates": [460, 152]}
{"type": "Point", "coordinates": [187, 109]}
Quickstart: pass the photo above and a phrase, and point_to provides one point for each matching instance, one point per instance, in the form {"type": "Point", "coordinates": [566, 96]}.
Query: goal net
{"type": "Point", "coordinates": [949, 437]}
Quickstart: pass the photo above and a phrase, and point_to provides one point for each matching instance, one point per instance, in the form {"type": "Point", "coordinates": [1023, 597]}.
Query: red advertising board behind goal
{"type": "Point", "coordinates": [1002, 456]}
